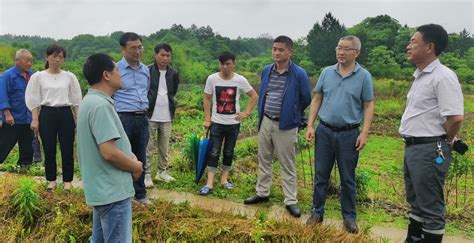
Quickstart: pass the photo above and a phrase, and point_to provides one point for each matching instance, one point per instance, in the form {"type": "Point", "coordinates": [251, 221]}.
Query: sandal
{"type": "Point", "coordinates": [51, 186]}
{"type": "Point", "coordinates": [228, 185]}
{"type": "Point", "coordinates": [67, 186]}
{"type": "Point", "coordinates": [205, 191]}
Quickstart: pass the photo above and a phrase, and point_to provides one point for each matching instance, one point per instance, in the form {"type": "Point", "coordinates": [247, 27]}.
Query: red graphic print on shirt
{"type": "Point", "coordinates": [225, 99]}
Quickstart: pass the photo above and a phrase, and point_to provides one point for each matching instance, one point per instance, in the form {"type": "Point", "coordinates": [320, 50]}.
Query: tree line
{"type": "Point", "coordinates": [195, 49]}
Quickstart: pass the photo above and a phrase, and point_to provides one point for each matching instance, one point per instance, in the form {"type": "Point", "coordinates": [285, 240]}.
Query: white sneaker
{"type": "Point", "coordinates": [163, 176]}
{"type": "Point", "coordinates": [145, 202]}
{"type": "Point", "coordinates": [148, 181]}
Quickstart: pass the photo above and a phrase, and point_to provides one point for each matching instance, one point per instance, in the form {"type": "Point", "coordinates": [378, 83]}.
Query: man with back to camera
{"type": "Point", "coordinates": [164, 82]}
{"type": "Point", "coordinates": [283, 96]}
{"type": "Point", "coordinates": [433, 116]}
{"type": "Point", "coordinates": [343, 98]}
{"type": "Point", "coordinates": [106, 160]}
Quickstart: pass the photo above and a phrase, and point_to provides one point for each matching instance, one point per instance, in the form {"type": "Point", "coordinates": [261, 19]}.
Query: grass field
{"type": "Point", "coordinates": [381, 196]}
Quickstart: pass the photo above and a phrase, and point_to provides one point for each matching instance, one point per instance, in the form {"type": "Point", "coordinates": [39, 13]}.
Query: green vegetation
{"type": "Point", "coordinates": [195, 49]}
{"type": "Point", "coordinates": [26, 199]}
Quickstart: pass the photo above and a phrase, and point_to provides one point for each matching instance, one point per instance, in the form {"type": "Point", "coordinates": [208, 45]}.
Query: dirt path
{"type": "Point", "coordinates": [275, 212]}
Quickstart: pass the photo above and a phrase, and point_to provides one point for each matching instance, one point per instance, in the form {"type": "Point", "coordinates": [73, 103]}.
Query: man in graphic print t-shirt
{"type": "Point", "coordinates": [223, 91]}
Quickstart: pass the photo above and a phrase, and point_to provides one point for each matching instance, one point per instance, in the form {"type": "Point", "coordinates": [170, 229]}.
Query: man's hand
{"type": "Point", "coordinates": [451, 143]}
{"type": "Point", "coordinates": [361, 141]}
{"type": "Point", "coordinates": [138, 168]}
{"type": "Point", "coordinates": [241, 115]}
{"type": "Point", "coordinates": [206, 124]}
{"type": "Point", "coordinates": [35, 127]}
{"type": "Point", "coordinates": [310, 133]}
{"type": "Point", "coordinates": [9, 119]}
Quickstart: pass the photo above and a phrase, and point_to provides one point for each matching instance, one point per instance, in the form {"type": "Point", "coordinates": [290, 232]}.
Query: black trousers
{"type": "Point", "coordinates": [54, 123]}
{"type": "Point", "coordinates": [10, 135]}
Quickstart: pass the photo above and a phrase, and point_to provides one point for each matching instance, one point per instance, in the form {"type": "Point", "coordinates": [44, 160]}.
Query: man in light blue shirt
{"type": "Point", "coordinates": [343, 98]}
{"type": "Point", "coordinates": [131, 102]}
{"type": "Point", "coordinates": [105, 155]}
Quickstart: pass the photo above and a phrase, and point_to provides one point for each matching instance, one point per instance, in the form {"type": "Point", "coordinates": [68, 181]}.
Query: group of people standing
{"type": "Point", "coordinates": [130, 105]}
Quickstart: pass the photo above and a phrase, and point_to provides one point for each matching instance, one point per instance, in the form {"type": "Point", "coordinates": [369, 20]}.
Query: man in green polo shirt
{"type": "Point", "coordinates": [106, 161]}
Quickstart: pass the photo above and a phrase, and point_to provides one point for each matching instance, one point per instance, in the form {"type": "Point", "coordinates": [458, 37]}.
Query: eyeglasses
{"type": "Point", "coordinates": [136, 48]}
{"type": "Point", "coordinates": [345, 50]}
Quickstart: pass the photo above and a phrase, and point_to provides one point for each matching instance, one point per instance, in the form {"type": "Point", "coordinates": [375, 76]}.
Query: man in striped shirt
{"type": "Point", "coordinates": [284, 95]}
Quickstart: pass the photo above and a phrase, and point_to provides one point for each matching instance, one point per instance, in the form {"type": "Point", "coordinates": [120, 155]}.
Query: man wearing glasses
{"type": "Point", "coordinates": [131, 103]}
{"type": "Point", "coordinates": [343, 97]}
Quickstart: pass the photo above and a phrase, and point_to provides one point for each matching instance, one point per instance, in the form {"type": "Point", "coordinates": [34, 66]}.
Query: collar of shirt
{"type": "Point", "coordinates": [274, 69]}
{"type": "Point", "coordinates": [18, 72]}
{"type": "Point", "coordinates": [356, 68]}
{"type": "Point", "coordinates": [93, 91]}
{"type": "Point", "coordinates": [428, 69]}
{"type": "Point", "coordinates": [124, 64]}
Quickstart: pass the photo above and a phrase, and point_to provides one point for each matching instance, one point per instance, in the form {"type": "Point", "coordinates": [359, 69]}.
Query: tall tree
{"type": "Point", "coordinates": [322, 39]}
{"type": "Point", "coordinates": [376, 31]}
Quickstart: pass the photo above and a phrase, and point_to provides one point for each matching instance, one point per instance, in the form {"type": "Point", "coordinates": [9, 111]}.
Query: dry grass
{"type": "Point", "coordinates": [65, 217]}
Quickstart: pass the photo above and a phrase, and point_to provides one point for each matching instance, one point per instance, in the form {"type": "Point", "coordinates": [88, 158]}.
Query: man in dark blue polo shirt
{"type": "Point", "coordinates": [343, 98]}
{"type": "Point", "coordinates": [16, 118]}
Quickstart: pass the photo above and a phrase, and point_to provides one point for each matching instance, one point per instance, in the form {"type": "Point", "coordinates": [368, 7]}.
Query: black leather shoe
{"type": "Point", "coordinates": [256, 199]}
{"type": "Point", "coordinates": [350, 226]}
{"type": "Point", "coordinates": [314, 219]}
{"type": "Point", "coordinates": [293, 210]}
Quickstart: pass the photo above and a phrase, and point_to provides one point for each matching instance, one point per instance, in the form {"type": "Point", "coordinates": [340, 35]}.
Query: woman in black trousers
{"type": "Point", "coordinates": [53, 96]}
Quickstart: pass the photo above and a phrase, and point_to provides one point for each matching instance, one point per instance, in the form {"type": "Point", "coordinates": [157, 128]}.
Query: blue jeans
{"type": "Point", "coordinates": [136, 128]}
{"type": "Point", "coordinates": [112, 222]}
{"type": "Point", "coordinates": [219, 134]}
{"type": "Point", "coordinates": [335, 146]}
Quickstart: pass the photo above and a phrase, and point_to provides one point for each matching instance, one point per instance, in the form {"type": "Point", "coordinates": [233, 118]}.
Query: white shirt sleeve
{"type": "Point", "coordinates": [33, 92]}
{"type": "Point", "coordinates": [75, 90]}
{"type": "Point", "coordinates": [245, 85]}
{"type": "Point", "coordinates": [449, 93]}
{"type": "Point", "coordinates": [209, 85]}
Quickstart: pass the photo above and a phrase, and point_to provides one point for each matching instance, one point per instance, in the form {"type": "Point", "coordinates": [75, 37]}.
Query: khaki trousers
{"type": "Point", "coordinates": [160, 133]}
{"type": "Point", "coordinates": [282, 142]}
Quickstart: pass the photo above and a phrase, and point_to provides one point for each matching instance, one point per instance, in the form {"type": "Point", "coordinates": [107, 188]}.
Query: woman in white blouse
{"type": "Point", "coordinates": [53, 96]}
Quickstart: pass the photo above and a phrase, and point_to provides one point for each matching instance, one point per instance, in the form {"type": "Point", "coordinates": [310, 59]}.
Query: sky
{"type": "Point", "coordinates": [64, 19]}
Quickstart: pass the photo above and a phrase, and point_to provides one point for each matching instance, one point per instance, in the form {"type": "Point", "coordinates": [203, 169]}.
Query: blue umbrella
{"type": "Point", "coordinates": [203, 155]}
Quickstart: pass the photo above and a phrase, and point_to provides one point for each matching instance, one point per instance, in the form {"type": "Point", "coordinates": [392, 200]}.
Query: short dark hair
{"type": "Point", "coordinates": [285, 40]}
{"type": "Point", "coordinates": [128, 36]}
{"type": "Point", "coordinates": [225, 56]}
{"type": "Point", "coordinates": [95, 66]}
{"type": "Point", "coordinates": [163, 46]}
{"type": "Point", "coordinates": [436, 34]}
{"type": "Point", "coordinates": [54, 49]}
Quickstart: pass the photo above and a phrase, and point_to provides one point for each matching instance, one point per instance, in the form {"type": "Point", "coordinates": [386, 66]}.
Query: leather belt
{"type": "Point", "coordinates": [133, 113]}
{"type": "Point", "coordinates": [339, 128]}
{"type": "Point", "coordinates": [272, 117]}
{"type": "Point", "coordinates": [421, 140]}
